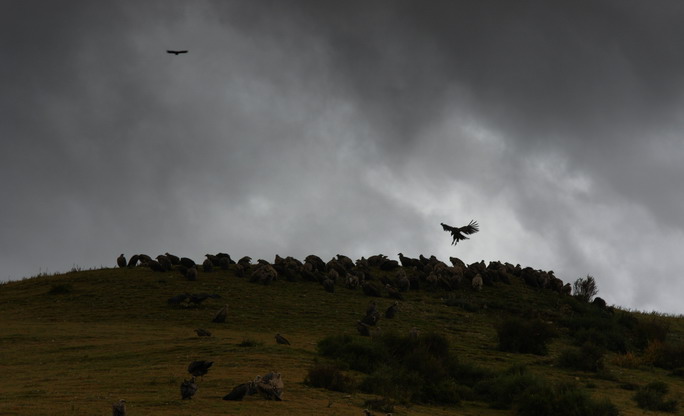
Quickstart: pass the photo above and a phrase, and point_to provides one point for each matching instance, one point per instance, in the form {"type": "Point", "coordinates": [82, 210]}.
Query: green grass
{"type": "Point", "coordinates": [72, 344]}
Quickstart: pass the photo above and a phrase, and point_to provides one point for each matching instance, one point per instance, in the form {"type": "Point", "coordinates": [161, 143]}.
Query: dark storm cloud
{"type": "Point", "coordinates": [349, 127]}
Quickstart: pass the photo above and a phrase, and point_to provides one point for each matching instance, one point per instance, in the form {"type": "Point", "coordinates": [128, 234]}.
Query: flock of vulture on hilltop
{"type": "Point", "coordinates": [376, 276]}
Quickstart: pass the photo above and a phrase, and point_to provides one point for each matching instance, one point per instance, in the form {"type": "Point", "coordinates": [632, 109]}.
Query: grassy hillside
{"type": "Point", "coordinates": [72, 344]}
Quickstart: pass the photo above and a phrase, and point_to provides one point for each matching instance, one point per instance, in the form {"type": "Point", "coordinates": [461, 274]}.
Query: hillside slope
{"type": "Point", "coordinates": [74, 343]}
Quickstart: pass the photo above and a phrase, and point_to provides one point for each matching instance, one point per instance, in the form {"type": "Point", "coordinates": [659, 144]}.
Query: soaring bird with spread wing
{"type": "Point", "coordinates": [176, 52]}
{"type": "Point", "coordinates": [458, 233]}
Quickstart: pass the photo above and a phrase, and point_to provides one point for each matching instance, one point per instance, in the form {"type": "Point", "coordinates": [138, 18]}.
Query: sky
{"type": "Point", "coordinates": [348, 127]}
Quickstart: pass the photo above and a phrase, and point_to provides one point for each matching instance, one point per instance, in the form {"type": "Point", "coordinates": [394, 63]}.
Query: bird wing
{"type": "Point", "coordinates": [448, 227]}
{"type": "Point", "coordinates": [471, 228]}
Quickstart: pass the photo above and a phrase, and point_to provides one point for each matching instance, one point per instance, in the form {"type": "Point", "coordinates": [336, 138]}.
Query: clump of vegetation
{"type": "Point", "coordinates": [629, 386]}
{"type": "Point", "coordinates": [585, 289]}
{"type": "Point", "coordinates": [422, 370]}
{"type": "Point", "coordinates": [329, 376]}
{"type": "Point", "coordinates": [562, 400]}
{"type": "Point", "coordinates": [502, 390]}
{"type": "Point", "coordinates": [534, 396]}
{"type": "Point", "coordinates": [248, 343]}
{"type": "Point", "coordinates": [357, 353]}
{"type": "Point", "coordinates": [610, 338]}
{"type": "Point", "coordinates": [648, 331]}
{"type": "Point", "coordinates": [612, 331]}
{"type": "Point", "coordinates": [61, 289]}
{"type": "Point", "coordinates": [524, 336]}
{"type": "Point", "coordinates": [589, 357]}
{"type": "Point", "coordinates": [665, 355]}
{"type": "Point", "coordinates": [384, 405]}
{"type": "Point", "coordinates": [463, 303]}
{"type": "Point", "coordinates": [628, 360]}
{"type": "Point", "coordinates": [415, 369]}
{"type": "Point", "coordinates": [623, 333]}
{"type": "Point", "coordinates": [468, 375]}
{"type": "Point", "coordinates": [406, 368]}
{"type": "Point", "coordinates": [652, 397]}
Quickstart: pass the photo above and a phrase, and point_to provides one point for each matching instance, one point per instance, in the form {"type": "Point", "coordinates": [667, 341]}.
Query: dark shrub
{"type": "Point", "coordinates": [469, 374]}
{"type": "Point", "coordinates": [423, 368]}
{"type": "Point", "coordinates": [463, 303]}
{"type": "Point", "coordinates": [501, 391]}
{"type": "Point", "coordinates": [588, 320]}
{"type": "Point", "coordinates": [585, 289]}
{"type": "Point", "coordinates": [404, 368]}
{"type": "Point", "coordinates": [434, 345]}
{"type": "Point", "coordinates": [598, 327]}
{"type": "Point", "coordinates": [384, 405]}
{"type": "Point", "coordinates": [659, 387]}
{"type": "Point", "coordinates": [577, 306]}
{"type": "Point", "coordinates": [610, 338]}
{"type": "Point", "coordinates": [647, 331]}
{"type": "Point", "coordinates": [61, 289]}
{"type": "Point", "coordinates": [626, 319]}
{"type": "Point", "coordinates": [589, 357]}
{"type": "Point", "coordinates": [427, 355]}
{"type": "Point", "coordinates": [593, 335]}
{"type": "Point", "coordinates": [651, 397]}
{"type": "Point", "coordinates": [426, 366]}
{"type": "Point", "coordinates": [406, 387]}
{"type": "Point", "coordinates": [395, 382]}
{"type": "Point", "coordinates": [592, 407]}
{"type": "Point", "coordinates": [248, 343]}
{"type": "Point", "coordinates": [446, 391]}
{"type": "Point", "coordinates": [360, 353]}
{"type": "Point", "coordinates": [562, 400]}
{"type": "Point", "coordinates": [329, 377]}
{"type": "Point", "coordinates": [522, 336]}
{"type": "Point", "coordinates": [605, 374]}
{"type": "Point", "coordinates": [668, 355]}
{"type": "Point", "coordinates": [538, 401]}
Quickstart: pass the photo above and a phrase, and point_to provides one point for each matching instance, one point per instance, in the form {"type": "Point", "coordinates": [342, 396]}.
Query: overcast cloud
{"type": "Point", "coordinates": [351, 127]}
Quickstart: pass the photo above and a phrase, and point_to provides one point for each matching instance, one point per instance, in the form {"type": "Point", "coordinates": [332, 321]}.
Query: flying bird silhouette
{"type": "Point", "coordinates": [458, 233]}
{"type": "Point", "coordinates": [176, 52]}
